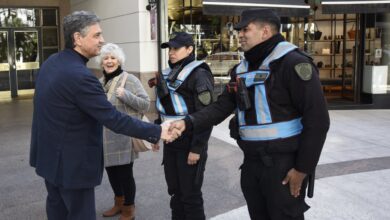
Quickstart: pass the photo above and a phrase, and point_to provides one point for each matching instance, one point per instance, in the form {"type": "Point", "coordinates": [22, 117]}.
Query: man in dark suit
{"type": "Point", "coordinates": [70, 108]}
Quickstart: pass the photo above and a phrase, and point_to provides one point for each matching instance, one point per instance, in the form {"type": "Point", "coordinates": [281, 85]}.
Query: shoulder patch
{"type": "Point", "coordinates": [205, 97]}
{"type": "Point", "coordinates": [304, 71]}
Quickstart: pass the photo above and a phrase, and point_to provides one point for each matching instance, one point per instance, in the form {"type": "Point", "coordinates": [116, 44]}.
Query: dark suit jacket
{"type": "Point", "coordinates": [70, 109]}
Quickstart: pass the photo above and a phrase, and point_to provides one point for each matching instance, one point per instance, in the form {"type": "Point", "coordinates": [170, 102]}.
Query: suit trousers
{"type": "Point", "coordinates": [186, 196]}
{"type": "Point", "coordinates": [266, 196]}
{"type": "Point", "coordinates": [70, 204]}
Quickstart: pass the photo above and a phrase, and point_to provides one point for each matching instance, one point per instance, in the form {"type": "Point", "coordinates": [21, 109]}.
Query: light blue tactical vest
{"type": "Point", "coordinates": [177, 100]}
{"type": "Point", "coordinates": [265, 129]}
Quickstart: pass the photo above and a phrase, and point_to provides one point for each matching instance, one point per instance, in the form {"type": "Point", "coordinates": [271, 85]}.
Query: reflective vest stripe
{"type": "Point", "coordinates": [242, 67]}
{"type": "Point", "coordinates": [166, 72]}
{"type": "Point", "coordinates": [271, 131]}
{"type": "Point", "coordinates": [159, 106]}
{"type": "Point", "coordinates": [165, 118]}
{"type": "Point", "coordinates": [280, 50]}
{"type": "Point", "coordinates": [188, 69]}
{"type": "Point", "coordinates": [263, 114]}
{"type": "Point", "coordinates": [178, 102]}
{"type": "Point", "coordinates": [184, 73]}
{"type": "Point", "coordinates": [241, 117]}
{"type": "Point", "coordinates": [265, 129]}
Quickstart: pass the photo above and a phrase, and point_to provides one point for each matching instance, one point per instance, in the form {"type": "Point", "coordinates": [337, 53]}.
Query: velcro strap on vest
{"type": "Point", "coordinates": [271, 131]}
{"type": "Point", "coordinates": [254, 77]}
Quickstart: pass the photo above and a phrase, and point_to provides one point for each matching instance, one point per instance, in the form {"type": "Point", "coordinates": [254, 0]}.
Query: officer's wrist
{"type": "Point", "coordinates": [188, 123]}
{"type": "Point", "coordinates": [196, 149]}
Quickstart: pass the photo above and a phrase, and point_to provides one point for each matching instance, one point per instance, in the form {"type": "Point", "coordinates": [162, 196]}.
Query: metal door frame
{"type": "Point", "coordinates": [12, 56]}
{"type": "Point", "coordinates": [8, 59]}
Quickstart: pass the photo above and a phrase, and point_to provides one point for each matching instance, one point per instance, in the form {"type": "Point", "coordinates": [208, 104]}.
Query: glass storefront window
{"type": "Point", "coordinates": [32, 38]}
{"type": "Point", "coordinates": [381, 50]}
{"type": "Point", "coordinates": [3, 47]}
{"type": "Point", "coordinates": [215, 40]}
{"type": "Point", "coordinates": [19, 17]}
{"type": "Point", "coordinates": [330, 41]}
{"type": "Point", "coordinates": [26, 46]}
{"type": "Point", "coordinates": [376, 78]}
{"type": "Point", "coordinates": [49, 37]}
{"type": "Point", "coordinates": [49, 17]}
{"type": "Point", "coordinates": [48, 52]}
{"type": "Point", "coordinates": [4, 65]}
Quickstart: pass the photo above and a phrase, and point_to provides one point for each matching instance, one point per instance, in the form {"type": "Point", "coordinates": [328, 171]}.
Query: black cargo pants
{"type": "Point", "coordinates": [261, 184]}
{"type": "Point", "coordinates": [186, 196]}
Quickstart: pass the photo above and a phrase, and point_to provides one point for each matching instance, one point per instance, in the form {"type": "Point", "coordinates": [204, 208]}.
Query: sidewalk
{"type": "Point", "coordinates": [352, 178]}
{"type": "Point", "coordinates": [354, 172]}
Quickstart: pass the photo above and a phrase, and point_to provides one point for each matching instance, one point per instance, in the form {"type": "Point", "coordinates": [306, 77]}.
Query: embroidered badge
{"type": "Point", "coordinates": [304, 71]}
{"type": "Point", "coordinates": [205, 97]}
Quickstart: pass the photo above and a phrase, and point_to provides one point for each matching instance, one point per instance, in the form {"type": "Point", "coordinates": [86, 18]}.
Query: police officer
{"type": "Point", "coordinates": [280, 122]}
{"type": "Point", "coordinates": [184, 88]}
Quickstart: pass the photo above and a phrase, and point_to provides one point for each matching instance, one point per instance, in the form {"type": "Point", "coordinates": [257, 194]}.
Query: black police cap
{"type": "Point", "coordinates": [265, 15]}
{"type": "Point", "coordinates": [178, 39]}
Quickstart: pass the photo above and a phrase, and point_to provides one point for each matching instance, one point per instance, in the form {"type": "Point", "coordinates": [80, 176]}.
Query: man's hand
{"type": "Point", "coordinates": [193, 158]}
{"type": "Point", "coordinates": [120, 92]}
{"type": "Point", "coordinates": [178, 124]}
{"type": "Point", "coordinates": [169, 134]}
{"type": "Point", "coordinates": [295, 179]}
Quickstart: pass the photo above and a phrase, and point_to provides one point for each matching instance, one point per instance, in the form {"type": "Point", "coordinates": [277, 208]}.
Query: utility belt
{"type": "Point", "coordinates": [267, 150]}
{"type": "Point", "coordinates": [269, 159]}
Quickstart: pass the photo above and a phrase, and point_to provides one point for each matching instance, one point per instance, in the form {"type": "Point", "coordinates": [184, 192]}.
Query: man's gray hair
{"type": "Point", "coordinates": [78, 21]}
{"type": "Point", "coordinates": [114, 50]}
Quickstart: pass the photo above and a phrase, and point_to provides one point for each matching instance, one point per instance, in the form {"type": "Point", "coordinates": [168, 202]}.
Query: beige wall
{"type": "Point", "coordinates": [126, 23]}
{"type": "Point", "coordinates": [63, 5]}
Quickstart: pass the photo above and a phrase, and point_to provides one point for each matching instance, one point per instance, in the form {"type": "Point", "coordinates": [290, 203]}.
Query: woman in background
{"type": "Point", "coordinates": [119, 155]}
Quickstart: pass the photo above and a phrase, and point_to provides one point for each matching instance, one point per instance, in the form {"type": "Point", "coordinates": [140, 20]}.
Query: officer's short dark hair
{"type": "Point", "coordinates": [267, 16]}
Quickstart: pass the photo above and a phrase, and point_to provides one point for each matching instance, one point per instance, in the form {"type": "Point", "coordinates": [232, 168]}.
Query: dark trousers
{"type": "Point", "coordinates": [122, 181]}
{"type": "Point", "coordinates": [186, 196]}
{"type": "Point", "coordinates": [264, 193]}
{"type": "Point", "coordinates": [70, 204]}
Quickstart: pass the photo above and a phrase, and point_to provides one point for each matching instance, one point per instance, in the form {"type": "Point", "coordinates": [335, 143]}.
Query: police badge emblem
{"type": "Point", "coordinates": [304, 71]}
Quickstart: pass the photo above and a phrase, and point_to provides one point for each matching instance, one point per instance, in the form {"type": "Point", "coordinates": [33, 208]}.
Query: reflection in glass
{"type": "Point", "coordinates": [49, 17]}
{"type": "Point", "coordinates": [19, 17]}
{"type": "Point", "coordinates": [49, 37]}
{"type": "Point", "coordinates": [26, 79]}
{"type": "Point", "coordinates": [215, 40]}
{"type": "Point", "coordinates": [26, 46]}
{"type": "Point", "coordinates": [4, 67]}
{"type": "Point", "coordinates": [3, 47]}
{"type": "Point", "coordinates": [4, 81]}
{"type": "Point", "coordinates": [380, 49]}
{"type": "Point", "coordinates": [26, 55]}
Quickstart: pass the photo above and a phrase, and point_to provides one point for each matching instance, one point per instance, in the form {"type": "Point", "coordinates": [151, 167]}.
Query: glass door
{"type": "Point", "coordinates": [19, 62]}
{"type": "Point", "coordinates": [5, 87]}
{"type": "Point", "coordinates": [26, 60]}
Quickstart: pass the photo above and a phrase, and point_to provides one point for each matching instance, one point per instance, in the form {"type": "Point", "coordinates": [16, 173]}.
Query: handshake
{"type": "Point", "coordinates": [171, 130]}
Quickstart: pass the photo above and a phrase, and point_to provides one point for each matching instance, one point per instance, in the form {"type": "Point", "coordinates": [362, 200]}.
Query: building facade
{"type": "Point", "coordinates": [349, 43]}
